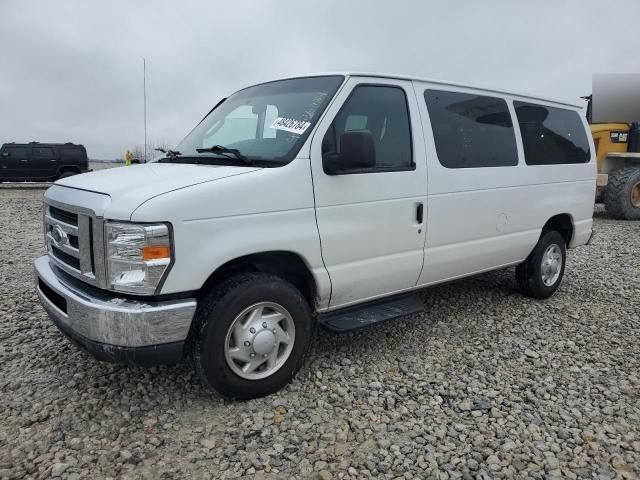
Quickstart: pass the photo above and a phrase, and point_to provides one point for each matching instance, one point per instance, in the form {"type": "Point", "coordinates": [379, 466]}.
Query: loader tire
{"type": "Point", "coordinates": [622, 194]}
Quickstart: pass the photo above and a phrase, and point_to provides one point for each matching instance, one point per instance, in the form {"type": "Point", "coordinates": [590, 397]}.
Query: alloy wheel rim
{"type": "Point", "coordinates": [551, 265]}
{"type": "Point", "coordinates": [635, 195]}
{"type": "Point", "coordinates": [259, 340]}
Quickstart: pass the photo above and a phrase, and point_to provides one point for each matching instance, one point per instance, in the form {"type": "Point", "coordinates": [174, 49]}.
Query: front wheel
{"type": "Point", "coordinates": [539, 276]}
{"type": "Point", "coordinates": [253, 333]}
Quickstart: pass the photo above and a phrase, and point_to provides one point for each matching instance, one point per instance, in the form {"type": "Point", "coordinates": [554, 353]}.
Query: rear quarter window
{"type": "Point", "coordinates": [551, 136]}
{"type": "Point", "coordinates": [470, 130]}
{"type": "Point", "coordinates": [72, 154]}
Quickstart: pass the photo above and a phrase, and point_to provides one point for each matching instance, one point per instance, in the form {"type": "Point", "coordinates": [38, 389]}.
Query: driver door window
{"type": "Point", "coordinates": [382, 112]}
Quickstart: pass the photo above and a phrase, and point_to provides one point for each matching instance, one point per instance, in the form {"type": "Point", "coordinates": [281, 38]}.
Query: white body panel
{"type": "Point", "coordinates": [371, 241]}
{"type": "Point", "coordinates": [270, 209]}
{"type": "Point", "coordinates": [136, 184]}
{"type": "Point", "coordinates": [484, 218]}
{"type": "Point", "coordinates": [357, 234]}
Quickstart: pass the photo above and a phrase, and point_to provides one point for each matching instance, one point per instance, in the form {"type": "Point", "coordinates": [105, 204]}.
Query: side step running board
{"type": "Point", "coordinates": [359, 316]}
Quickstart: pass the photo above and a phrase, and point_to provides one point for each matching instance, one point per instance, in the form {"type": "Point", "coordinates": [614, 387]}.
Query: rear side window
{"type": "Point", "coordinates": [42, 152]}
{"type": "Point", "coordinates": [382, 111]}
{"type": "Point", "coordinates": [72, 153]}
{"type": "Point", "coordinates": [551, 136]}
{"type": "Point", "coordinates": [471, 131]}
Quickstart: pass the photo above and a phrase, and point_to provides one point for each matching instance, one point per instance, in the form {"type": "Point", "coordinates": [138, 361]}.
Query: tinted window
{"type": "Point", "coordinates": [72, 153]}
{"type": "Point", "coordinates": [471, 130]}
{"type": "Point", "coordinates": [42, 152]}
{"type": "Point", "coordinates": [383, 112]}
{"type": "Point", "coordinates": [551, 135]}
{"type": "Point", "coordinates": [17, 152]}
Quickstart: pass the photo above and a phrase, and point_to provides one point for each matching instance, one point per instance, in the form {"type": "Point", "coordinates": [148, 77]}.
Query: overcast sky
{"type": "Point", "coordinates": [72, 70]}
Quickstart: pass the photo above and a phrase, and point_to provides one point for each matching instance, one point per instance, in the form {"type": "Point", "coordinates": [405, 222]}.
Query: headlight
{"type": "Point", "coordinates": [138, 256]}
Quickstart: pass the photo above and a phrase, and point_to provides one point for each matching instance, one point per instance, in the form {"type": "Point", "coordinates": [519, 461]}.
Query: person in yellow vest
{"type": "Point", "coordinates": [128, 156]}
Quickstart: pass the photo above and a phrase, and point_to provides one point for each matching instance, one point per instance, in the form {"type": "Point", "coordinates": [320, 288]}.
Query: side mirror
{"type": "Point", "coordinates": [332, 163]}
{"type": "Point", "coordinates": [357, 152]}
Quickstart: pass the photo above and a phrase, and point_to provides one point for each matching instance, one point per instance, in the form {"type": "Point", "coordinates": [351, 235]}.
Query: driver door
{"type": "Point", "coordinates": [371, 220]}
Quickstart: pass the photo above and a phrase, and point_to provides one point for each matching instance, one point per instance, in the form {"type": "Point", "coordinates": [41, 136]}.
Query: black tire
{"type": "Point", "coordinates": [217, 312]}
{"type": "Point", "coordinates": [529, 273]}
{"type": "Point", "coordinates": [617, 196]}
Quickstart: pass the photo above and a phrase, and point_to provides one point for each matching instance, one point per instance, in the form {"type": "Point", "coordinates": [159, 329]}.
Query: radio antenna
{"type": "Point", "coordinates": [144, 93]}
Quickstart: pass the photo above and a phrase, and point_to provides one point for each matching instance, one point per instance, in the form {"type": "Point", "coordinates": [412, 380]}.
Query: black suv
{"type": "Point", "coordinates": [41, 161]}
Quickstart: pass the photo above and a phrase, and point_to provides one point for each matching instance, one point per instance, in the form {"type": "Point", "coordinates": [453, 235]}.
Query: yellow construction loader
{"type": "Point", "coordinates": [618, 153]}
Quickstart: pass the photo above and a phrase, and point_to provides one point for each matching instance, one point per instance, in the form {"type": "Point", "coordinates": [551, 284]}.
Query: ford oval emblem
{"type": "Point", "coordinates": [59, 236]}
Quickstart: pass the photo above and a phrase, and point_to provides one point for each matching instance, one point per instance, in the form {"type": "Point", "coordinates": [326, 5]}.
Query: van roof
{"type": "Point", "coordinates": [444, 83]}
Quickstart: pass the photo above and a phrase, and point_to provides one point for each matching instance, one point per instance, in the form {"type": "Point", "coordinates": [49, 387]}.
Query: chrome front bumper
{"type": "Point", "coordinates": [113, 328]}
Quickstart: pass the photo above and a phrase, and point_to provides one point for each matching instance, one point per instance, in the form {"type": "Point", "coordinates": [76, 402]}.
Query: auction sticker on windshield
{"type": "Point", "coordinates": [290, 125]}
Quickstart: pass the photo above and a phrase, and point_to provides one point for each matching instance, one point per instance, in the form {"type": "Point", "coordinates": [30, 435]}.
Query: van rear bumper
{"type": "Point", "coordinates": [114, 329]}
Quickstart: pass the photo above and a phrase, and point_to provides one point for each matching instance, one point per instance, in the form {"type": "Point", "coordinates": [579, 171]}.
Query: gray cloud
{"type": "Point", "coordinates": [72, 71]}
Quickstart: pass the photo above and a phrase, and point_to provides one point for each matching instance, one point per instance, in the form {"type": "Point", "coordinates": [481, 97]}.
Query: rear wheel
{"type": "Point", "coordinates": [253, 333]}
{"type": "Point", "coordinates": [622, 194]}
{"type": "Point", "coordinates": [539, 276]}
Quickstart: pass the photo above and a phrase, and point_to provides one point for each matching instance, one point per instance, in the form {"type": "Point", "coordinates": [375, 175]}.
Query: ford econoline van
{"type": "Point", "coordinates": [323, 200]}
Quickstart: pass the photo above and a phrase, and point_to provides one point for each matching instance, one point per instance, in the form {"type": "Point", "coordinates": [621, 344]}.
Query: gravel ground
{"type": "Point", "coordinates": [484, 384]}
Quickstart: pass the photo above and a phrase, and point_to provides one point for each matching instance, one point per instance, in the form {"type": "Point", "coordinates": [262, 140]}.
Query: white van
{"type": "Point", "coordinates": [325, 200]}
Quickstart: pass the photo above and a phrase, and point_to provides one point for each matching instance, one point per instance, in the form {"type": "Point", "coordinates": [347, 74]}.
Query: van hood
{"type": "Point", "coordinates": [129, 187]}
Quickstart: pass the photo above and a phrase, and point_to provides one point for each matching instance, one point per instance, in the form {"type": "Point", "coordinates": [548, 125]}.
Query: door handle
{"type": "Point", "coordinates": [419, 213]}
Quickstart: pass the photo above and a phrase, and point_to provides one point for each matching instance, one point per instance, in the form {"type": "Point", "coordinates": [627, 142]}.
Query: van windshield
{"type": "Point", "coordinates": [266, 123]}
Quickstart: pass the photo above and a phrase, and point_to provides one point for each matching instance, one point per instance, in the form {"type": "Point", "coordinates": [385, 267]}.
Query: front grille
{"type": "Point", "coordinates": [66, 217]}
{"type": "Point", "coordinates": [73, 241]}
{"type": "Point", "coordinates": [69, 240]}
{"type": "Point", "coordinates": [70, 260]}
{"type": "Point", "coordinates": [73, 233]}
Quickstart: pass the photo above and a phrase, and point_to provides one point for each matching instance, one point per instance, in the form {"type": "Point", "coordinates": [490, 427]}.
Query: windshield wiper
{"type": "Point", "coordinates": [222, 150]}
{"type": "Point", "coordinates": [168, 153]}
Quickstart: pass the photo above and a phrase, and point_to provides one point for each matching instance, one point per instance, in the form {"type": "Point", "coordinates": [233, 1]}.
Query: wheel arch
{"type": "Point", "coordinates": [67, 168]}
{"type": "Point", "coordinates": [288, 265]}
{"type": "Point", "coordinates": [561, 223]}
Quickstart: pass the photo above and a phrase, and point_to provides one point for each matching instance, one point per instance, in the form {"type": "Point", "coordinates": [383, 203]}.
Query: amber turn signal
{"type": "Point", "coordinates": [155, 252]}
